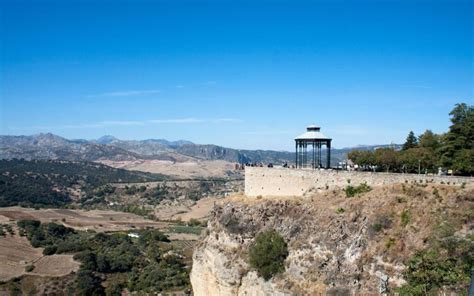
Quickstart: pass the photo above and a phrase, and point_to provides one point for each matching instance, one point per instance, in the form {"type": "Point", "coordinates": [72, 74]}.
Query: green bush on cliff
{"type": "Point", "coordinates": [352, 191]}
{"type": "Point", "coordinates": [446, 265]}
{"type": "Point", "coordinates": [268, 253]}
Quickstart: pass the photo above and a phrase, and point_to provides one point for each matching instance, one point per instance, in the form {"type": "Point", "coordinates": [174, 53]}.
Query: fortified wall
{"type": "Point", "coordinates": [261, 181]}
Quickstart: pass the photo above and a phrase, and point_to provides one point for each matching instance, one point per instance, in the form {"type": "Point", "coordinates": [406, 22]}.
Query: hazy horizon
{"type": "Point", "coordinates": [198, 143]}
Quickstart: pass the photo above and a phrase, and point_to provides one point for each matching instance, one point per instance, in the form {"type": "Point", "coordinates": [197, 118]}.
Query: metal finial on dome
{"type": "Point", "coordinates": [313, 132]}
{"type": "Point", "coordinates": [313, 127]}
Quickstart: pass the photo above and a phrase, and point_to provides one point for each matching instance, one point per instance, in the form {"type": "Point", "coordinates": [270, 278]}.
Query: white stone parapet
{"type": "Point", "coordinates": [262, 181]}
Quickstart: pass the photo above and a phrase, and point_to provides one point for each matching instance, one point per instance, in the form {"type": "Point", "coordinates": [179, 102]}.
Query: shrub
{"type": "Point", "coordinates": [405, 218]}
{"type": "Point", "coordinates": [268, 253]}
{"type": "Point", "coordinates": [340, 210]}
{"type": "Point", "coordinates": [390, 243]}
{"type": "Point", "coordinates": [428, 270]}
{"type": "Point", "coordinates": [377, 227]}
{"type": "Point", "coordinates": [381, 222]}
{"type": "Point", "coordinates": [401, 199]}
{"type": "Point", "coordinates": [50, 250]}
{"type": "Point", "coordinates": [194, 222]}
{"type": "Point", "coordinates": [352, 191]}
{"type": "Point", "coordinates": [29, 268]}
{"type": "Point", "coordinates": [446, 265]}
{"type": "Point", "coordinates": [436, 193]}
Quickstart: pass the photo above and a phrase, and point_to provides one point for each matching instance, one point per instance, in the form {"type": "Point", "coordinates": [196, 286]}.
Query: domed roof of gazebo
{"type": "Point", "coordinates": [313, 132]}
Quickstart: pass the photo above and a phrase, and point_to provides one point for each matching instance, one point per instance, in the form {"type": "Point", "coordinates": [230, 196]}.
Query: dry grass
{"type": "Point", "coordinates": [15, 254]}
{"type": "Point", "coordinates": [55, 265]}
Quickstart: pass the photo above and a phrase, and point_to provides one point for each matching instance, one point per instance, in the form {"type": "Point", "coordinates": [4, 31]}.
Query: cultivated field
{"type": "Point", "coordinates": [16, 253]}
{"type": "Point", "coordinates": [96, 220]}
{"type": "Point", "coordinates": [187, 169]}
{"type": "Point", "coordinates": [55, 265]}
{"type": "Point", "coordinates": [200, 210]}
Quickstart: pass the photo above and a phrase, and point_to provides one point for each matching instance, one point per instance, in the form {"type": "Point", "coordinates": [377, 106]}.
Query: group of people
{"type": "Point", "coordinates": [241, 166]}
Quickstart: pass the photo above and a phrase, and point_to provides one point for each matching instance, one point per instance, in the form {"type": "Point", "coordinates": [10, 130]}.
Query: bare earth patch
{"type": "Point", "coordinates": [55, 265]}
{"type": "Point", "coordinates": [16, 253]}
{"type": "Point", "coordinates": [200, 210]}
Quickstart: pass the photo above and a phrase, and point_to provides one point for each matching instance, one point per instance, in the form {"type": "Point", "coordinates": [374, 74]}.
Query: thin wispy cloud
{"type": "Point", "coordinates": [100, 124]}
{"type": "Point", "coordinates": [176, 120]}
{"type": "Point", "coordinates": [269, 132]}
{"type": "Point", "coordinates": [121, 123]}
{"type": "Point", "coordinates": [141, 92]}
{"type": "Point", "coordinates": [224, 120]}
{"type": "Point", "coordinates": [131, 123]}
{"type": "Point", "coordinates": [126, 93]}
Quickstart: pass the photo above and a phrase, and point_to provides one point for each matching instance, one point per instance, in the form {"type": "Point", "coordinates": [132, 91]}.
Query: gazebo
{"type": "Point", "coordinates": [314, 139]}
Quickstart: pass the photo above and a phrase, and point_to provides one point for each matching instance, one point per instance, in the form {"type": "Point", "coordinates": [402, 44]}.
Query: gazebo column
{"type": "Point", "coordinates": [328, 156]}
{"type": "Point", "coordinates": [296, 153]}
{"type": "Point", "coordinates": [305, 154]}
{"type": "Point", "coordinates": [319, 154]}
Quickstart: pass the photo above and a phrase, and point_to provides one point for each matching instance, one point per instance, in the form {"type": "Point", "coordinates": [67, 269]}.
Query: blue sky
{"type": "Point", "coordinates": [247, 74]}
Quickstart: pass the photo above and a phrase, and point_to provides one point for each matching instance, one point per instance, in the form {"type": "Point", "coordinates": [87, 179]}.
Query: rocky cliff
{"type": "Point", "coordinates": [337, 245]}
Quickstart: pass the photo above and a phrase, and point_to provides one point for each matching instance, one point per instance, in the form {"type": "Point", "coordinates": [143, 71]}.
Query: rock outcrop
{"type": "Point", "coordinates": [337, 245]}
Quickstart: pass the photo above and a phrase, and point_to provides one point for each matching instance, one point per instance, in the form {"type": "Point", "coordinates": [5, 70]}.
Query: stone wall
{"type": "Point", "coordinates": [296, 182]}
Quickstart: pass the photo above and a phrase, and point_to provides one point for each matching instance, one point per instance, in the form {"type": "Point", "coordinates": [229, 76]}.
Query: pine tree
{"type": "Point", "coordinates": [457, 151]}
{"type": "Point", "coordinates": [411, 142]}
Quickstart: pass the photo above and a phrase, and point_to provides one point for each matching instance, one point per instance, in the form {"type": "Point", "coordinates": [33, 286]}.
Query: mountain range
{"type": "Point", "coordinates": [50, 146]}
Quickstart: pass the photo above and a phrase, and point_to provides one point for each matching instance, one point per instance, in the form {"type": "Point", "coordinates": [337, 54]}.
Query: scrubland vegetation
{"type": "Point", "coordinates": [45, 183]}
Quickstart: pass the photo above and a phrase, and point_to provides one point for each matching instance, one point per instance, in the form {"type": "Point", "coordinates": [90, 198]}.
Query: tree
{"type": "Point", "coordinates": [387, 158]}
{"type": "Point", "coordinates": [268, 253]}
{"type": "Point", "coordinates": [363, 158]}
{"type": "Point", "coordinates": [50, 250]}
{"type": "Point", "coordinates": [418, 158]}
{"type": "Point", "coordinates": [411, 141]}
{"type": "Point", "coordinates": [458, 144]}
{"type": "Point", "coordinates": [429, 140]}
{"type": "Point", "coordinates": [88, 283]}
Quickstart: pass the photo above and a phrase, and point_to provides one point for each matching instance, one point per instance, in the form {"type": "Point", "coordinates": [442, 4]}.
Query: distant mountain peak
{"type": "Point", "coordinates": [49, 139]}
{"type": "Point", "coordinates": [107, 139]}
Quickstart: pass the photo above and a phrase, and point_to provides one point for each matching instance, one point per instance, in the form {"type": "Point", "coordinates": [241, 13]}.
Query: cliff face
{"type": "Point", "coordinates": [337, 245]}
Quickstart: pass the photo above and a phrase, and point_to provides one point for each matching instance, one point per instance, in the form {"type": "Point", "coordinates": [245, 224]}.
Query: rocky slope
{"type": "Point", "coordinates": [337, 245]}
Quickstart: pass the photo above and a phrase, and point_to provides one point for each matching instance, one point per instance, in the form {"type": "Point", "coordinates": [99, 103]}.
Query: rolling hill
{"type": "Point", "coordinates": [50, 146]}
